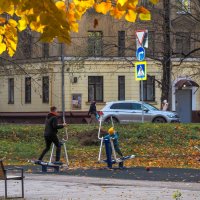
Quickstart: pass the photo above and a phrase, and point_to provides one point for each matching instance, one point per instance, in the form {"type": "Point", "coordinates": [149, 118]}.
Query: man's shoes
{"type": "Point", "coordinates": [57, 163]}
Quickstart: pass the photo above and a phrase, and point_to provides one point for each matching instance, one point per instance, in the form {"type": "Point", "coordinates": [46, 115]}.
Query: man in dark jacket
{"type": "Point", "coordinates": [50, 134]}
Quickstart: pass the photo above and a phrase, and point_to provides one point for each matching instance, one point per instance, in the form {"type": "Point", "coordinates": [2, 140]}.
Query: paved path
{"type": "Point", "coordinates": [65, 187]}
{"type": "Point", "coordinates": [77, 186]}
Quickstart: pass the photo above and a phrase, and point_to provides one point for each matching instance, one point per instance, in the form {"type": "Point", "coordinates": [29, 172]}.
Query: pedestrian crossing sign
{"type": "Point", "coordinates": [140, 71]}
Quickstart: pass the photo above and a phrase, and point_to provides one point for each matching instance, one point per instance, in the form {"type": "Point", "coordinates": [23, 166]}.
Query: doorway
{"type": "Point", "coordinates": [184, 105]}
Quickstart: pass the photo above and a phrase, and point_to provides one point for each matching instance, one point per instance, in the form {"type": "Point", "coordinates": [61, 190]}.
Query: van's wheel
{"type": "Point", "coordinates": [108, 120]}
{"type": "Point", "coordinates": [159, 120]}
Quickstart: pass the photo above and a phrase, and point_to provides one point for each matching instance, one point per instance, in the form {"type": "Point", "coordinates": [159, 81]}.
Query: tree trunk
{"type": "Point", "coordinates": [166, 63]}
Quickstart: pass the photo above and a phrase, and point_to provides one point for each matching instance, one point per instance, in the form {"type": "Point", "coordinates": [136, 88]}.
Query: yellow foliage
{"type": "Point", "coordinates": [116, 13]}
{"type": "Point", "coordinates": [103, 7]}
{"type": "Point", "coordinates": [2, 20]}
{"type": "Point", "coordinates": [145, 16]}
{"type": "Point", "coordinates": [22, 24]}
{"type": "Point", "coordinates": [2, 30]}
{"type": "Point", "coordinates": [131, 16]}
{"type": "Point", "coordinates": [61, 5]}
{"type": "Point", "coordinates": [122, 2]}
{"type": "Point", "coordinates": [56, 19]}
{"type": "Point", "coordinates": [2, 47]}
{"type": "Point", "coordinates": [74, 26]}
{"type": "Point", "coordinates": [12, 22]}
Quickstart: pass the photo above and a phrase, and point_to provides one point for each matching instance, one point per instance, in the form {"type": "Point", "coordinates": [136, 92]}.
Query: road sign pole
{"type": "Point", "coordinates": [142, 99]}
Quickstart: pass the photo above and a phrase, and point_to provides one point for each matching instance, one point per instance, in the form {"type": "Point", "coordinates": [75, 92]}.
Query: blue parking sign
{"type": "Point", "coordinates": [140, 71]}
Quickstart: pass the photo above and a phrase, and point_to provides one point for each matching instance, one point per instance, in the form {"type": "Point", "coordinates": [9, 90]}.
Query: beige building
{"type": "Point", "coordinates": [99, 65]}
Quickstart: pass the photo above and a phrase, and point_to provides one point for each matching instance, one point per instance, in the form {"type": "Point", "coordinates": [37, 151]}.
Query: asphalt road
{"type": "Point", "coordinates": [136, 173]}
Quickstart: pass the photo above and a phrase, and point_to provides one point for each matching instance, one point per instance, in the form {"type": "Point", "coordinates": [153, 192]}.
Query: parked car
{"type": "Point", "coordinates": [131, 111]}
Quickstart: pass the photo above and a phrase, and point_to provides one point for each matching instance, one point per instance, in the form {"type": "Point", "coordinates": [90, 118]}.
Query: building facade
{"type": "Point", "coordinates": [99, 65]}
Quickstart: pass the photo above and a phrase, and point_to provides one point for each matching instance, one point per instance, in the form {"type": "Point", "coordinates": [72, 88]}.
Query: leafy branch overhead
{"type": "Point", "coordinates": [56, 19]}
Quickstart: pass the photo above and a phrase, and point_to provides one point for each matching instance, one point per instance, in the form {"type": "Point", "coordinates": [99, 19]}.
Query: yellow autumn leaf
{"type": "Point", "coordinates": [131, 16]}
{"type": "Point", "coordinates": [145, 17]}
{"type": "Point", "coordinates": [77, 15]}
{"type": "Point", "coordinates": [116, 13]}
{"type": "Point", "coordinates": [36, 26]}
{"type": "Point", "coordinates": [74, 26]}
{"type": "Point", "coordinates": [131, 6]}
{"type": "Point", "coordinates": [29, 12]}
{"type": "Point", "coordinates": [13, 43]}
{"type": "Point", "coordinates": [154, 1]}
{"type": "Point", "coordinates": [22, 24]}
{"type": "Point", "coordinates": [71, 16]}
{"type": "Point", "coordinates": [2, 20]}
{"type": "Point", "coordinates": [2, 30]}
{"type": "Point", "coordinates": [12, 22]}
{"type": "Point", "coordinates": [11, 46]}
{"type": "Point", "coordinates": [122, 2]}
{"type": "Point", "coordinates": [142, 10]}
{"type": "Point", "coordinates": [103, 7]}
{"type": "Point", "coordinates": [10, 51]}
{"type": "Point", "coordinates": [61, 5]}
{"type": "Point", "coordinates": [2, 47]}
{"type": "Point", "coordinates": [84, 3]}
{"type": "Point", "coordinates": [71, 6]}
{"type": "Point", "coordinates": [134, 2]}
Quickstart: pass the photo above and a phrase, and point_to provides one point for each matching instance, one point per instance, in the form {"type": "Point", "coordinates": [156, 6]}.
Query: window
{"type": "Point", "coordinates": [182, 42]}
{"type": "Point", "coordinates": [45, 50]}
{"type": "Point", "coordinates": [148, 89]}
{"type": "Point", "coordinates": [122, 106]}
{"type": "Point", "coordinates": [28, 90]}
{"type": "Point", "coordinates": [136, 106]}
{"type": "Point", "coordinates": [26, 43]}
{"type": "Point", "coordinates": [45, 89]}
{"type": "Point", "coordinates": [121, 43]}
{"type": "Point", "coordinates": [95, 88]}
{"type": "Point", "coordinates": [95, 43]}
{"type": "Point", "coordinates": [121, 87]}
{"type": "Point", "coordinates": [150, 51]}
{"type": "Point", "coordinates": [11, 90]}
{"type": "Point", "coordinates": [183, 6]}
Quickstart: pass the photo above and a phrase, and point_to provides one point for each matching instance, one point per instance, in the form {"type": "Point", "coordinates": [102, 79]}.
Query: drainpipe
{"type": "Point", "coordinates": [63, 81]}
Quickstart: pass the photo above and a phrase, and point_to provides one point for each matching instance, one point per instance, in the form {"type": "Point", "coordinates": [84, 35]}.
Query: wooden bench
{"type": "Point", "coordinates": [4, 176]}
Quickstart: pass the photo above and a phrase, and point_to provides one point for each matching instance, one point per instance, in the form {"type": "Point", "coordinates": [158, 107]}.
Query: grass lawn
{"type": "Point", "coordinates": [155, 145]}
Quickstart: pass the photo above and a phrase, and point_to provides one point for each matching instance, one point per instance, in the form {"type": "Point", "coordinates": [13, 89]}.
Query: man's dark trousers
{"type": "Point", "coordinates": [49, 140]}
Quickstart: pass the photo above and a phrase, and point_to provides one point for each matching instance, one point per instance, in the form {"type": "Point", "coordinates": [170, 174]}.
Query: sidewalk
{"type": "Point", "coordinates": [64, 187]}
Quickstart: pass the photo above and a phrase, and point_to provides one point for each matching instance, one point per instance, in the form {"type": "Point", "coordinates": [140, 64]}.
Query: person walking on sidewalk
{"type": "Point", "coordinates": [50, 134]}
{"type": "Point", "coordinates": [93, 112]}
